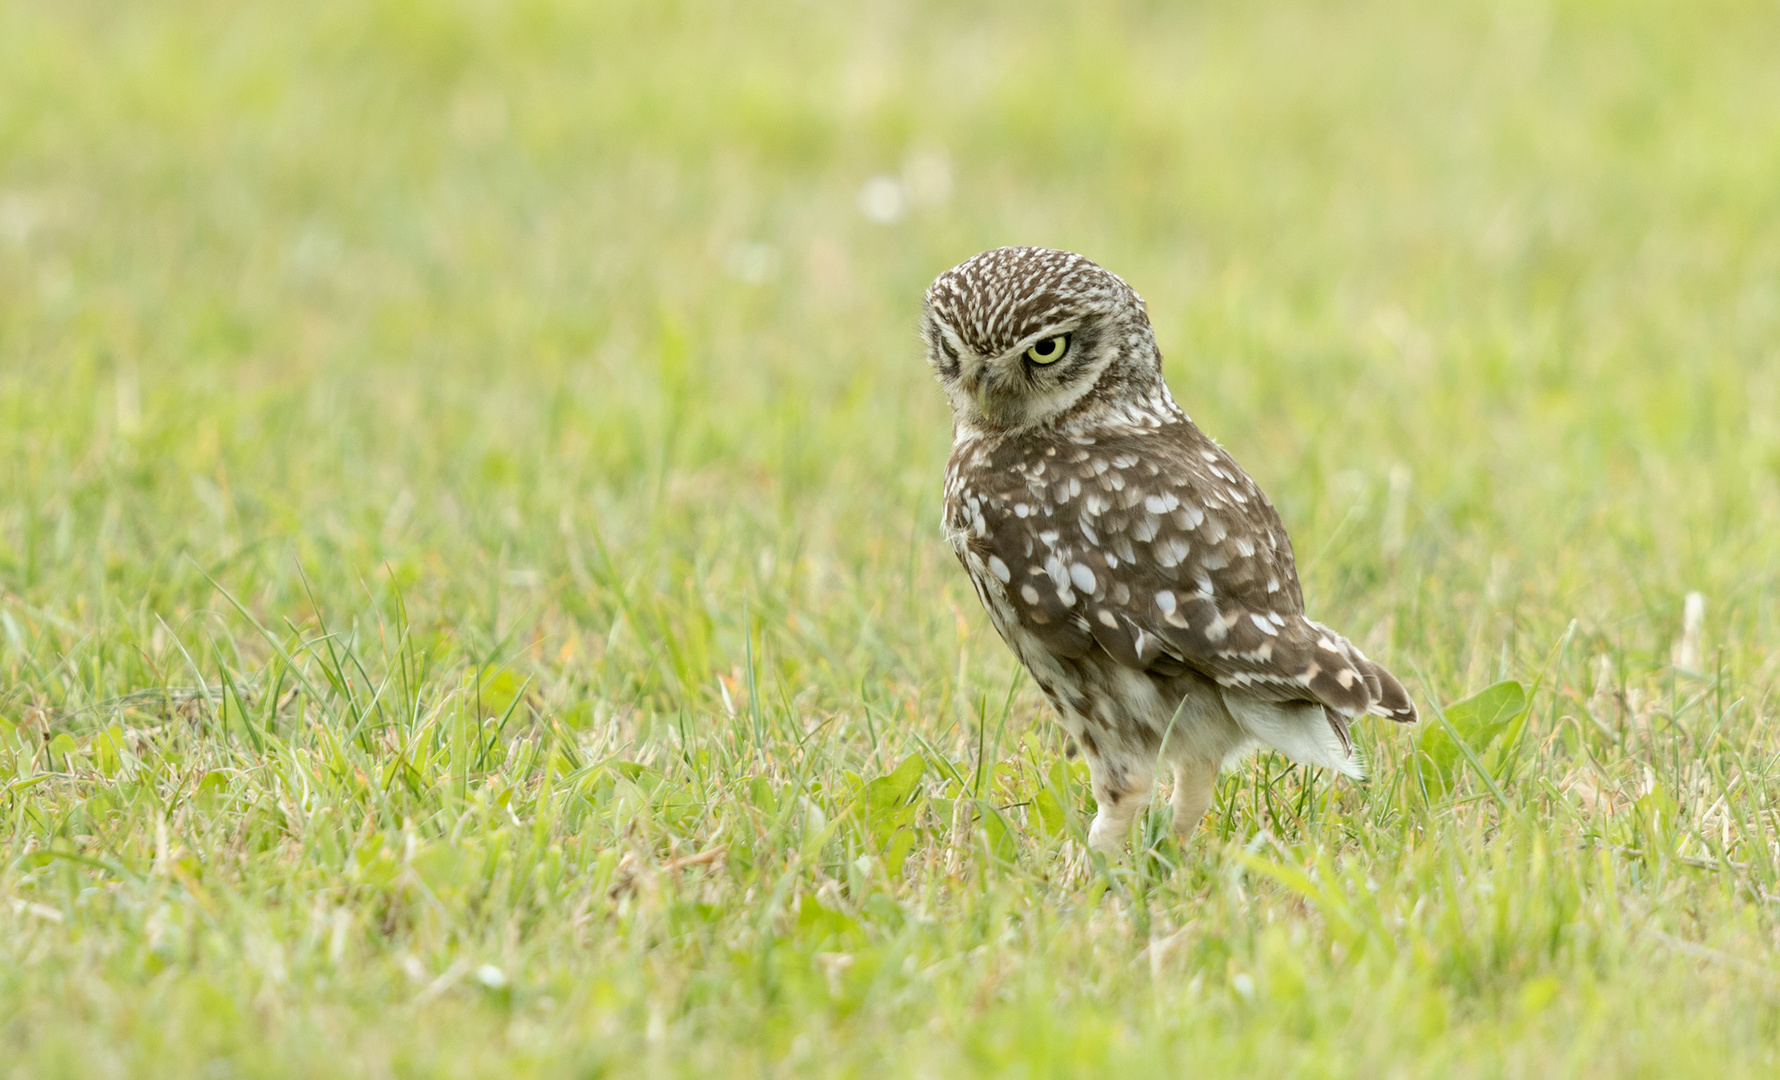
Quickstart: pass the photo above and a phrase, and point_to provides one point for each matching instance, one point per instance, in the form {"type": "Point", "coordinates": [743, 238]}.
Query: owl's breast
{"type": "Point", "coordinates": [1002, 526]}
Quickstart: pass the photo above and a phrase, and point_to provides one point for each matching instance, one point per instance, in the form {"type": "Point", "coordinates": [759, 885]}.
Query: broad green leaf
{"type": "Point", "coordinates": [497, 690]}
{"type": "Point", "coordinates": [108, 750]}
{"type": "Point", "coordinates": [888, 803]}
{"type": "Point", "coordinates": [1050, 811]}
{"type": "Point", "coordinates": [999, 837]}
{"type": "Point", "coordinates": [896, 853]}
{"type": "Point", "coordinates": [760, 793]}
{"type": "Point", "coordinates": [642, 776]}
{"type": "Point", "coordinates": [61, 746]}
{"type": "Point", "coordinates": [1480, 720]}
{"type": "Point", "coordinates": [678, 806]}
{"type": "Point", "coordinates": [25, 783]}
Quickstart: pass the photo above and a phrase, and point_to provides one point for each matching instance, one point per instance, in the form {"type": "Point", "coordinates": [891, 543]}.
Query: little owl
{"type": "Point", "coordinates": [1133, 567]}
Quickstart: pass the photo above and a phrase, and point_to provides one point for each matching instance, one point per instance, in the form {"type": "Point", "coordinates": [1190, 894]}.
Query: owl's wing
{"type": "Point", "coordinates": [1164, 553]}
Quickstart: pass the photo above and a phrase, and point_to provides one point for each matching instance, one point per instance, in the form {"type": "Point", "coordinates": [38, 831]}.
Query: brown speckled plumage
{"type": "Point", "coordinates": [1140, 575]}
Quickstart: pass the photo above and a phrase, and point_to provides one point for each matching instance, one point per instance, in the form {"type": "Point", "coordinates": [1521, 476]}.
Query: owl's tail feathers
{"type": "Point", "coordinates": [1352, 686]}
{"type": "Point", "coordinates": [1385, 697]}
{"type": "Point", "coordinates": [1390, 700]}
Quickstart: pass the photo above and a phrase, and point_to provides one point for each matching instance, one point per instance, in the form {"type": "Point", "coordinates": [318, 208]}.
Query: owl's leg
{"type": "Point", "coordinates": [1121, 788]}
{"type": "Point", "coordinates": [1194, 781]}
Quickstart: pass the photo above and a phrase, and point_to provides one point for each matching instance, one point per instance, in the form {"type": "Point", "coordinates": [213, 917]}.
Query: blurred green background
{"type": "Point", "coordinates": [382, 282]}
{"type": "Point", "coordinates": [585, 336]}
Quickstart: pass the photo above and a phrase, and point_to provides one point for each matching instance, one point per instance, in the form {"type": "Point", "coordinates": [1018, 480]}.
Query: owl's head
{"type": "Point", "coordinates": [1021, 337]}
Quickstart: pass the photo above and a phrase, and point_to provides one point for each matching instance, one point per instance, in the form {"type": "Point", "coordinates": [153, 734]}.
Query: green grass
{"type": "Point", "coordinates": [460, 461]}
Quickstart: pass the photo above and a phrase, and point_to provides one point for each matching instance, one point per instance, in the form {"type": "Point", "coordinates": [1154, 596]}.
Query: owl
{"type": "Point", "coordinates": [1136, 571]}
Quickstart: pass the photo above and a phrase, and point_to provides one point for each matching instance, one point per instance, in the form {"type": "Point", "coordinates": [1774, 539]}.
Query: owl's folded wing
{"type": "Point", "coordinates": [1267, 654]}
{"type": "Point", "coordinates": [1185, 566]}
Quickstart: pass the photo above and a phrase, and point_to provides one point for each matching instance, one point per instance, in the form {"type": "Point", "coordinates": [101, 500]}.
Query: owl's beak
{"type": "Point", "coordinates": [998, 395]}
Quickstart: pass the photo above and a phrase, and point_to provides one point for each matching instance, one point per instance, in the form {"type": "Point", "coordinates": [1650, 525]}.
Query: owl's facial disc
{"type": "Point", "coordinates": [1021, 336]}
{"type": "Point", "coordinates": [1039, 376]}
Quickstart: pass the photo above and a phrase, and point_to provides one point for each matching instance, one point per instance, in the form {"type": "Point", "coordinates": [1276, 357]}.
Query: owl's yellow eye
{"type": "Point", "coordinates": [1049, 351]}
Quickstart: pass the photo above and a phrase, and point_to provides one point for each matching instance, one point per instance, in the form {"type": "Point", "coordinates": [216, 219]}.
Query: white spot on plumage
{"type": "Point", "coordinates": [1082, 577]}
{"type": "Point", "coordinates": [1262, 622]}
{"type": "Point", "coordinates": [1260, 655]}
{"type": "Point", "coordinates": [1000, 570]}
{"type": "Point", "coordinates": [1107, 619]}
{"type": "Point", "coordinates": [1029, 594]}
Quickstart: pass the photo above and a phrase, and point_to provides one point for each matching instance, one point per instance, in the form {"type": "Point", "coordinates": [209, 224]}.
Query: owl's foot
{"type": "Point", "coordinates": [1111, 826]}
{"type": "Point", "coordinates": [1107, 836]}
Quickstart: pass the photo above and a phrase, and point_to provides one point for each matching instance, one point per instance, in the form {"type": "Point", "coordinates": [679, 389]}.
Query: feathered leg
{"type": "Point", "coordinates": [1194, 781]}
{"type": "Point", "coordinates": [1121, 789]}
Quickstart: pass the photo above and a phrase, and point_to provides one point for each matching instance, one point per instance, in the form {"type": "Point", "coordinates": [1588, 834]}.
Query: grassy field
{"type": "Point", "coordinates": [471, 593]}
